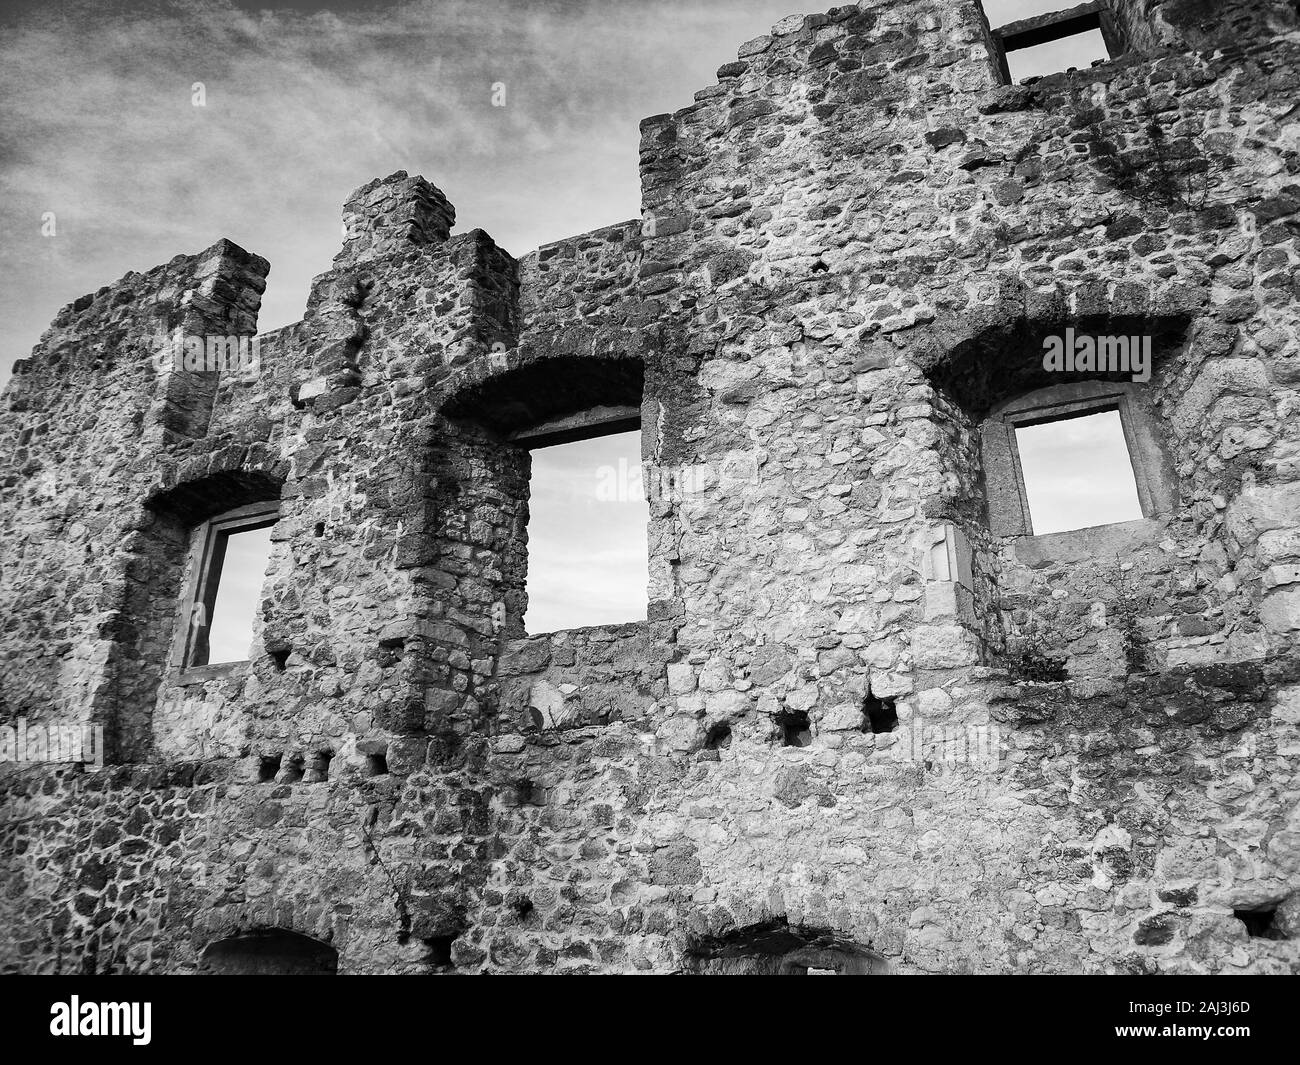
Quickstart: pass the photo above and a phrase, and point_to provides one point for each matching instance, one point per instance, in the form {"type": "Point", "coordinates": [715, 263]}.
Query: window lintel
{"type": "Point", "coordinates": [1050, 26]}
{"type": "Point", "coordinates": [582, 425]}
{"type": "Point", "coordinates": [1054, 26]}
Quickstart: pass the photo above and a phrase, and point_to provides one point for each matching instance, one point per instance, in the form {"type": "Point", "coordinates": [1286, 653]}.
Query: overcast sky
{"type": "Point", "coordinates": [1078, 473]}
{"type": "Point", "coordinates": [587, 535]}
{"type": "Point", "coordinates": [309, 100]}
{"type": "Point", "coordinates": [305, 102]}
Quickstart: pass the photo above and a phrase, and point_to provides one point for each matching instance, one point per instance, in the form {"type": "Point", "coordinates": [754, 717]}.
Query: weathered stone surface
{"type": "Point", "coordinates": [1280, 610]}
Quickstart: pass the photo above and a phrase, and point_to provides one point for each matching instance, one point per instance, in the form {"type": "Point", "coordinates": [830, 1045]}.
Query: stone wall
{"type": "Point", "coordinates": [863, 728]}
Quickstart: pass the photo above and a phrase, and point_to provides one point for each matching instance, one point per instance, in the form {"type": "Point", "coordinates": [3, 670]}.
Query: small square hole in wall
{"type": "Point", "coordinates": [376, 764]}
{"type": "Point", "coordinates": [268, 767]}
{"type": "Point", "coordinates": [1077, 472]}
{"type": "Point", "coordinates": [718, 738]}
{"type": "Point", "coordinates": [528, 793]}
{"type": "Point", "coordinates": [439, 951]}
{"type": "Point", "coordinates": [794, 728]}
{"type": "Point", "coordinates": [1259, 923]}
{"type": "Point", "coordinates": [878, 715]}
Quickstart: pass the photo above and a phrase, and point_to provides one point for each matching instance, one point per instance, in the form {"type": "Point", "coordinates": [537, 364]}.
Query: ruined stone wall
{"type": "Point", "coordinates": [850, 251]}
{"type": "Point", "coordinates": [85, 421]}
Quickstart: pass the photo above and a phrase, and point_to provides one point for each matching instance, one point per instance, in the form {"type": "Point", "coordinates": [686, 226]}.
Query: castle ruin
{"type": "Point", "coordinates": [873, 723]}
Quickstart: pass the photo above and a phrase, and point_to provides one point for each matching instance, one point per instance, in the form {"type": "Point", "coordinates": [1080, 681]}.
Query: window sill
{"type": "Point", "coordinates": [608, 630]}
{"type": "Point", "coordinates": [1093, 69]}
{"type": "Point", "coordinates": [203, 674]}
{"type": "Point", "coordinates": [535, 655]}
{"type": "Point", "coordinates": [1078, 545]}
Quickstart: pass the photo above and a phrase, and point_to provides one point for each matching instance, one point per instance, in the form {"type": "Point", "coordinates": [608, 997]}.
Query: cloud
{"type": "Point", "coordinates": [306, 103]}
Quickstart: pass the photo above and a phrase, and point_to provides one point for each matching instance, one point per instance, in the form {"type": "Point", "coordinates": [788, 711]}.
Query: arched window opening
{"type": "Point", "coordinates": [1060, 463]}
{"type": "Point", "coordinates": [270, 953]}
{"type": "Point", "coordinates": [777, 948]}
{"type": "Point", "coordinates": [224, 524]}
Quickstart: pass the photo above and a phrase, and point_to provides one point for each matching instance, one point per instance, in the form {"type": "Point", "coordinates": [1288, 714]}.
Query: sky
{"type": "Point", "coordinates": [587, 535]}
{"type": "Point", "coordinates": [107, 165]}
{"type": "Point", "coordinates": [1078, 473]}
{"type": "Point", "coordinates": [303, 105]}
{"type": "Point", "coordinates": [101, 143]}
{"type": "Point", "coordinates": [239, 594]}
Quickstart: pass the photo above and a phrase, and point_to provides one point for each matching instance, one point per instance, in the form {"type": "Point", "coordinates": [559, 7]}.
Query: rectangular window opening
{"type": "Point", "coordinates": [587, 532]}
{"type": "Point", "coordinates": [1045, 41]}
{"type": "Point", "coordinates": [1077, 472]}
{"type": "Point", "coordinates": [236, 549]}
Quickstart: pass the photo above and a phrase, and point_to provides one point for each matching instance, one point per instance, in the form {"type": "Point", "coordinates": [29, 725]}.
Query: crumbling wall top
{"type": "Point", "coordinates": [390, 213]}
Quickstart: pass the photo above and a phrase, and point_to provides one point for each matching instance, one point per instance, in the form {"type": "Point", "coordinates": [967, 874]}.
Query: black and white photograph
{"type": "Point", "coordinates": [596, 487]}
